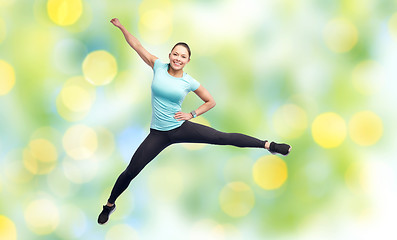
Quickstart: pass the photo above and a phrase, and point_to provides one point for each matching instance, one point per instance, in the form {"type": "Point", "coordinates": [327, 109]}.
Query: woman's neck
{"type": "Point", "coordinates": [174, 73]}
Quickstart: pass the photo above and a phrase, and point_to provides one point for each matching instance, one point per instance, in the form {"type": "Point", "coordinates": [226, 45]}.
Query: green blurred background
{"type": "Point", "coordinates": [75, 104]}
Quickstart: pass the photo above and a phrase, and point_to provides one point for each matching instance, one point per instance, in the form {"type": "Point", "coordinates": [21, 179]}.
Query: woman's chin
{"type": "Point", "coordinates": [177, 68]}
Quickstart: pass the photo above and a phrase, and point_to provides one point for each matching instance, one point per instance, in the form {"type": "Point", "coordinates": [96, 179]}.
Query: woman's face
{"type": "Point", "coordinates": [179, 57]}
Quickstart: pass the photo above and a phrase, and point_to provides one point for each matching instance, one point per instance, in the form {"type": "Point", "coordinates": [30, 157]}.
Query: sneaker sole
{"type": "Point", "coordinates": [114, 209]}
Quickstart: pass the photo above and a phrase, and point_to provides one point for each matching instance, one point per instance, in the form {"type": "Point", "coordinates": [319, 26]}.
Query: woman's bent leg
{"type": "Point", "coordinates": [154, 143]}
{"type": "Point", "coordinates": [197, 133]}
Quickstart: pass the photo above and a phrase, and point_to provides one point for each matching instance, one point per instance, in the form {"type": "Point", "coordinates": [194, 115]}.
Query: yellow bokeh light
{"type": "Point", "coordinates": [64, 12]}
{"type": "Point", "coordinates": [270, 172]}
{"type": "Point", "coordinates": [75, 99]}
{"type": "Point", "coordinates": [329, 130]}
{"type": "Point", "coordinates": [365, 128]}
{"type": "Point", "coordinates": [42, 216]}
{"type": "Point", "coordinates": [156, 21]}
{"type": "Point", "coordinates": [340, 35]}
{"type": "Point", "coordinates": [80, 142]}
{"type": "Point", "coordinates": [368, 77]}
{"type": "Point", "coordinates": [121, 232]}
{"type": "Point", "coordinates": [43, 150]}
{"type": "Point", "coordinates": [290, 121]}
{"type": "Point", "coordinates": [8, 230]}
{"type": "Point", "coordinates": [68, 114]}
{"type": "Point", "coordinates": [393, 26]}
{"type": "Point", "coordinates": [155, 26]}
{"type": "Point", "coordinates": [7, 77]}
{"type": "Point", "coordinates": [49, 133]}
{"type": "Point", "coordinates": [236, 199]}
{"type": "Point", "coordinates": [99, 68]}
{"type": "Point", "coordinates": [197, 146]}
{"type": "Point", "coordinates": [40, 157]}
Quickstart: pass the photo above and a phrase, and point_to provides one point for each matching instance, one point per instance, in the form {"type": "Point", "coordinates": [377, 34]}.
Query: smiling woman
{"type": "Point", "coordinates": [170, 125]}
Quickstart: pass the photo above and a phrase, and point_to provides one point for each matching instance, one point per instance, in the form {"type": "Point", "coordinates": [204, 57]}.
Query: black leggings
{"type": "Point", "coordinates": [188, 132]}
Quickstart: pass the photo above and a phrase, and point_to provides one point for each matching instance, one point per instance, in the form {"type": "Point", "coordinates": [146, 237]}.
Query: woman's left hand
{"type": "Point", "coordinates": [179, 116]}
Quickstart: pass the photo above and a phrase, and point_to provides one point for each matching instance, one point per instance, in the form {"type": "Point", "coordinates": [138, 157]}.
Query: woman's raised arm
{"type": "Point", "coordinates": [148, 58]}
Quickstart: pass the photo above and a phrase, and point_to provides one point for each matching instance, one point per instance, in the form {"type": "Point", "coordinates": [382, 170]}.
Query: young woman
{"type": "Point", "coordinates": [169, 125]}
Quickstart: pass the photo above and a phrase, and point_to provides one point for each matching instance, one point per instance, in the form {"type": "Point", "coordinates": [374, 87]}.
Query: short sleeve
{"type": "Point", "coordinates": [157, 64]}
{"type": "Point", "coordinates": [194, 84]}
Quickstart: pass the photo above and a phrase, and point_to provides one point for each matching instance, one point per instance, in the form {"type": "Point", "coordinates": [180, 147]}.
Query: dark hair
{"type": "Point", "coordinates": [185, 45]}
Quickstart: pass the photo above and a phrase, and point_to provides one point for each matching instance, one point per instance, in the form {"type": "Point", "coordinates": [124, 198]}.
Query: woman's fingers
{"type": "Point", "coordinates": [180, 116]}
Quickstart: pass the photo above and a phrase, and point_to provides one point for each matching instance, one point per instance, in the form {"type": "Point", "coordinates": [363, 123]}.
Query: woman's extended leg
{"type": "Point", "coordinates": [154, 143]}
{"type": "Point", "coordinates": [197, 133]}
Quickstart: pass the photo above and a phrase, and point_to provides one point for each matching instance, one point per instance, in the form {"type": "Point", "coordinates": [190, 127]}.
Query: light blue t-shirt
{"type": "Point", "coordinates": [168, 93]}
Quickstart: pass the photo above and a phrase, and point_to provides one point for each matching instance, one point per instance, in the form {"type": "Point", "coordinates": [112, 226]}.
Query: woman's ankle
{"type": "Point", "coordinates": [267, 145]}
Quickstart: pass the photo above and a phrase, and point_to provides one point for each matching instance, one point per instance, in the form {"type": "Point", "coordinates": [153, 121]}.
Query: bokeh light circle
{"type": "Point", "coordinates": [121, 232]}
{"type": "Point", "coordinates": [156, 21]}
{"type": "Point", "coordinates": [290, 121]}
{"type": "Point", "coordinates": [75, 99]}
{"type": "Point", "coordinates": [7, 77]}
{"type": "Point", "coordinates": [42, 216]}
{"type": "Point", "coordinates": [64, 12]}
{"type": "Point", "coordinates": [236, 199]}
{"type": "Point", "coordinates": [329, 130]}
{"type": "Point", "coordinates": [8, 230]}
{"type": "Point", "coordinates": [99, 67]}
{"type": "Point", "coordinates": [155, 26]}
{"type": "Point", "coordinates": [340, 35]}
{"type": "Point", "coordinates": [40, 157]}
{"type": "Point", "coordinates": [365, 128]}
{"type": "Point", "coordinates": [80, 142]}
{"type": "Point", "coordinates": [270, 172]}
{"type": "Point", "coordinates": [368, 77]}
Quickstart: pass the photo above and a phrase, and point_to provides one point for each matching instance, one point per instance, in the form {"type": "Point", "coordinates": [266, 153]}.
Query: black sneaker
{"type": "Point", "coordinates": [104, 216]}
{"type": "Point", "coordinates": [280, 148]}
